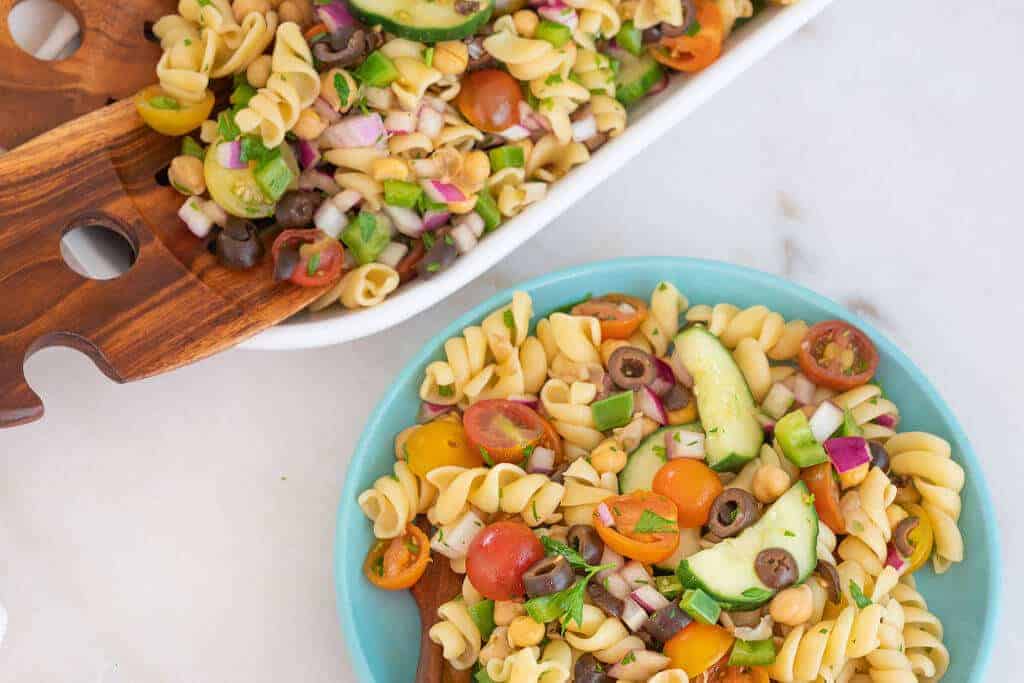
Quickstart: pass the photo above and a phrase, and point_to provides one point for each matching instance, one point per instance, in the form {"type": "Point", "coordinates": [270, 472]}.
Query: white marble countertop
{"type": "Point", "coordinates": [181, 529]}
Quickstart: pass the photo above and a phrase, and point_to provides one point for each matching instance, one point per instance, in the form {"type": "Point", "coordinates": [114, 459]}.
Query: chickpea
{"type": "Point", "coordinates": [609, 346]}
{"type": "Point", "coordinates": [507, 610]}
{"type": "Point", "coordinates": [792, 606]}
{"type": "Point", "coordinates": [451, 57]}
{"type": "Point", "coordinates": [854, 477]}
{"type": "Point", "coordinates": [298, 11]}
{"type": "Point", "coordinates": [309, 126]}
{"type": "Point", "coordinates": [258, 72]}
{"type": "Point", "coordinates": [608, 456]}
{"type": "Point", "coordinates": [243, 8]}
{"type": "Point", "coordinates": [389, 169]}
{"type": "Point", "coordinates": [525, 22]}
{"type": "Point", "coordinates": [770, 482]}
{"type": "Point", "coordinates": [525, 632]}
{"type": "Point", "coordinates": [476, 168]}
{"type": "Point", "coordinates": [330, 91]}
{"type": "Point", "coordinates": [209, 131]}
{"type": "Point", "coordinates": [186, 175]}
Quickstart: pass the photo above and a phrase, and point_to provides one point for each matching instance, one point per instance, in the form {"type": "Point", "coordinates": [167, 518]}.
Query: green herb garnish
{"type": "Point", "coordinates": [858, 595]}
{"type": "Point", "coordinates": [653, 523]}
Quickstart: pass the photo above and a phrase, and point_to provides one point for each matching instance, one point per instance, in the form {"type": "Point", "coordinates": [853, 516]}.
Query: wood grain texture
{"type": "Point", "coordinates": [114, 61]}
{"type": "Point", "coordinates": [174, 306]}
{"type": "Point", "coordinates": [438, 585]}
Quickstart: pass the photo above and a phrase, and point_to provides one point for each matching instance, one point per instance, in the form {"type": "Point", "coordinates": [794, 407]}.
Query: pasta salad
{"type": "Point", "coordinates": [648, 491]}
{"type": "Point", "coordinates": [377, 140]}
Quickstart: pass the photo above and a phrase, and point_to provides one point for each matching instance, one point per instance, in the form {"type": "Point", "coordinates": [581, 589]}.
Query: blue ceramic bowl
{"type": "Point", "coordinates": [382, 628]}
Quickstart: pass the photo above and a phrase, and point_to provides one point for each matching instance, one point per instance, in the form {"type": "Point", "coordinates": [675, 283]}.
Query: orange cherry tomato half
{"type": "Point", "coordinates": [692, 486]}
{"type": "Point", "coordinates": [696, 52]}
{"type": "Point", "coordinates": [739, 674]}
{"type": "Point", "coordinates": [698, 647]}
{"type": "Point", "coordinates": [837, 355]}
{"type": "Point", "coordinates": [502, 431]}
{"type": "Point", "coordinates": [619, 314]}
{"type": "Point", "coordinates": [321, 257]}
{"type": "Point", "coordinates": [823, 485]}
{"type": "Point", "coordinates": [490, 99]}
{"type": "Point", "coordinates": [398, 563]}
{"type": "Point", "coordinates": [646, 527]}
{"type": "Point", "coordinates": [499, 556]}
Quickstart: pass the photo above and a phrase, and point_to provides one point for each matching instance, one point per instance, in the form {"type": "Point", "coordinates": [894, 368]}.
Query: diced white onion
{"type": "Point", "coordinates": [392, 254]}
{"type": "Point", "coordinates": [778, 400]}
{"type": "Point", "coordinates": [826, 420]}
{"type": "Point", "coordinates": [464, 238]}
{"type": "Point", "coordinates": [515, 133]}
{"type": "Point", "coordinates": [195, 218]}
{"type": "Point", "coordinates": [473, 221]}
{"type": "Point", "coordinates": [330, 218]}
{"type": "Point", "coordinates": [346, 199]}
{"type": "Point", "coordinates": [616, 585]}
{"type": "Point", "coordinates": [400, 122]}
{"type": "Point", "coordinates": [609, 556]}
{"type": "Point", "coordinates": [635, 574]}
{"type": "Point", "coordinates": [684, 444]}
{"type": "Point", "coordinates": [633, 615]}
{"type": "Point", "coordinates": [584, 129]}
{"type": "Point", "coordinates": [453, 541]}
{"type": "Point", "coordinates": [381, 99]}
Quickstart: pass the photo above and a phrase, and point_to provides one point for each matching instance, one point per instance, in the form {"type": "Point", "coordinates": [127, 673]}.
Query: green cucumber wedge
{"type": "Point", "coordinates": [726, 571]}
{"type": "Point", "coordinates": [427, 22]}
{"type": "Point", "coordinates": [636, 75]}
{"type": "Point", "coordinates": [724, 401]}
{"type": "Point", "coordinates": [647, 458]}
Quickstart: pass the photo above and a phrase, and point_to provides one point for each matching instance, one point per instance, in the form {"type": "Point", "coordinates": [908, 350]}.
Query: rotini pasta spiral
{"type": "Point", "coordinates": [866, 403]}
{"type": "Point", "coordinates": [504, 487]}
{"type": "Point", "coordinates": [597, 19]}
{"type": "Point", "coordinates": [526, 666]}
{"type": "Point", "coordinates": [927, 459]}
{"type": "Point", "coordinates": [922, 633]}
{"type": "Point", "coordinates": [465, 367]}
{"type": "Point", "coordinates": [457, 634]}
{"type": "Point", "coordinates": [867, 525]}
{"type": "Point", "coordinates": [599, 634]}
{"type": "Point", "coordinates": [594, 72]}
{"type": "Point", "coordinates": [551, 159]}
{"type": "Point", "coordinates": [609, 114]}
{"type": "Point", "coordinates": [395, 500]}
{"type": "Point", "coordinates": [294, 85]}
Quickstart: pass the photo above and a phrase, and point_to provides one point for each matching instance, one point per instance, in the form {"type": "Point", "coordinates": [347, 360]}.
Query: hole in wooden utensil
{"type": "Point", "coordinates": [162, 178]}
{"type": "Point", "coordinates": [97, 251]}
{"type": "Point", "coordinates": [147, 31]}
{"type": "Point", "coordinates": [44, 29]}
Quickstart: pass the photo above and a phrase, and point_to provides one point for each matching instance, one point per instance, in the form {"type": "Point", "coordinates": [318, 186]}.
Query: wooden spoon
{"type": "Point", "coordinates": [437, 586]}
{"type": "Point", "coordinates": [175, 305]}
{"type": "Point", "coordinates": [117, 57]}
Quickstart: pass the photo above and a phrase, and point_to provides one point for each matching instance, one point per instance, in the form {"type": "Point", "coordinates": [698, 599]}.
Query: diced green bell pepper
{"type": "Point", "coordinates": [488, 210]}
{"type": "Point", "coordinates": [401, 193]}
{"type": "Point", "coordinates": [366, 237]}
{"type": "Point", "coordinates": [273, 176]}
{"type": "Point", "coordinates": [849, 426]}
{"type": "Point", "coordinates": [191, 148]}
{"type": "Point", "coordinates": [700, 606]}
{"type": "Point", "coordinates": [614, 411]}
{"type": "Point", "coordinates": [483, 616]}
{"type": "Point", "coordinates": [630, 38]}
{"type": "Point", "coordinates": [377, 70]}
{"type": "Point", "coordinates": [552, 32]}
{"type": "Point", "coordinates": [669, 586]}
{"type": "Point", "coordinates": [508, 156]}
{"type": "Point", "coordinates": [797, 441]}
{"type": "Point", "coordinates": [752, 653]}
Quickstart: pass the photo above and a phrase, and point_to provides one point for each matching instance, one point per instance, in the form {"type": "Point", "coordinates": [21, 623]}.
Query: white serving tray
{"type": "Point", "coordinates": [648, 121]}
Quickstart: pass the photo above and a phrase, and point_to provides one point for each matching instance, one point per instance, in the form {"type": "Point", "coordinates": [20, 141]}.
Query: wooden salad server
{"type": "Point", "coordinates": [438, 585]}
{"type": "Point", "coordinates": [117, 57]}
{"type": "Point", "coordinates": [175, 305]}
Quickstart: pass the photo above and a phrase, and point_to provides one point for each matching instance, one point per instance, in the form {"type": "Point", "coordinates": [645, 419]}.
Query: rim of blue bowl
{"type": "Point", "coordinates": [361, 666]}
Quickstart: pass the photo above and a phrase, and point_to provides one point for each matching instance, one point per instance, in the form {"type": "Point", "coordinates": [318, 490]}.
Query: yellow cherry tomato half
{"type": "Point", "coordinates": [169, 115]}
{"type": "Point", "coordinates": [697, 647]}
{"type": "Point", "coordinates": [922, 538]}
{"type": "Point", "coordinates": [440, 443]}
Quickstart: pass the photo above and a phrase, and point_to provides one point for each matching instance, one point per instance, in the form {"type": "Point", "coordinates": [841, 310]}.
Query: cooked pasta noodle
{"type": "Point", "coordinates": [457, 634]}
{"type": "Point", "coordinates": [504, 487]}
{"type": "Point", "coordinates": [866, 404]}
{"type": "Point", "coordinates": [780, 340]}
{"type": "Point", "coordinates": [922, 633]}
{"type": "Point", "coordinates": [523, 666]}
{"type": "Point", "coordinates": [551, 159]}
{"type": "Point", "coordinates": [364, 286]}
{"type": "Point", "coordinates": [394, 501]}
{"type": "Point", "coordinates": [867, 524]}
{"type": "Point", "coordinates": [662, 322]}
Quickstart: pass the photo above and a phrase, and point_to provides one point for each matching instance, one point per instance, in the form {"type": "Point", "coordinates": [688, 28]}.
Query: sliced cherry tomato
{"type": "Point", "coordinates": [696, 52]}
{"type": "Point", "coordinates": [698, 647]}
{"type": "Point", "coordinates": [502, 431]}
{"type": "Point", "coordinates": [551, 439]}
{"type": "Point", "coordinates": [692, 486]}
{"type": "Point", "coordinates": [823, 486]}
{"type": "Point", "coordinates": [499, 556]}
{"type": "Point", "coordinates": [406, 268]}
{"type": "Point", "coordinates": [440, 443]}
{"type": "Point", "coordinates": [320, 256]}
{"type": "Point", "coordinates": [490, 99]}
{"type": "Point", "coordinates": [922, 538]}
{"type": "Point", "coordinates": [837, 355]}
{"type": "Point", "coordinates": [169, 115]}
{"type": "Point", "coordinates": [398, 563]}
{"type": "Point", "coordinates": [620, 314]}
{"type": "Point", "coordinates": [739, 674]}
{"type": "Point", "coordinates": [646, 526]}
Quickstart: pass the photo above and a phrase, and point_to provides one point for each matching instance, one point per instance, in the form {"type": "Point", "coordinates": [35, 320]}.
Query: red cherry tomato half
{"type": "Point", "coordinates": [499, 556]}
{"type": "Point", "coordinates": [320, 256]}
{"type": "Point", "coordinates": [503, 431]}
{"type": "Point", "coordinates": [837, 355]}
{"type": "Point", "coordinates": [821, 482]}
{"type": "Point", "coordinates": [490, 99]}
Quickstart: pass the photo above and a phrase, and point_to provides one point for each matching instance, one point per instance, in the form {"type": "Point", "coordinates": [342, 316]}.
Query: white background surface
{"type": "Point", "coordinates": [181, 529]}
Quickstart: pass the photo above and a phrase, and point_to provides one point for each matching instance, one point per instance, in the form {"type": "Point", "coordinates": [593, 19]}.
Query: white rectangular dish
{"type": "Point", "coordinates": [650, 119]}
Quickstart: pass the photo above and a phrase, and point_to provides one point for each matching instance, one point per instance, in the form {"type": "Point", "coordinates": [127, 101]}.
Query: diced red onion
{"type": "Point", "coordinates": [335, 16]}
{"type": "Point", "coordinates": [778, 400]}
{"type": "Point", "coordinates": [803, 389]}
{"type": "Point", "coordinates": [635, 574]}
{"type": "Point", "coordinates": [664, 379]}
{"type": "Point", "coordinates": [886, 420]}
{"type": "Point", "coordinates": [361, 130]}
{"type": "Point", "coordinates": [515, 133]}
{"type": "Point", "coordinates": [649, 598]}
{"type": "Point", "coordinates": [643, 665]}
{"type": "Point", "coordinates": [346, 199]}
{"type": "Point", "coordinates": [528, 400]}
{"type": "Point", "coordinates": [541, 460]}
{"type": "Point", "coordinates": [439, 191]}
{"type": "Point", "coordinates": [605, 515]}
{"type": "Point", "coordinates": [684, 444]}
{"type": "Point", "coordinates": [399, 122]}
{"type": "Point", "coordinates": [659, 86]}
{"type": "Point", "coordinates": [894, 559]}
{"type": "Point", "coordinates": [683, 375]}
{"type": "Point", "coordinates": [326, 111]}
{"type": "Point", "coordinates": [848, 452]}
{"type": "Point", "coordinates": [457, 538]}
{"type": "Point", "coordinates": [309, 155]}
{"type": "Point", "coordinates": [229, 155]}
{"type": "Point", "coordinates": [826, 420]}
{"type": "Point", "coordinates": [651, 406]}
{"type": "Point", "coordinates": [614, 584]}
{"type": "Point", "coordinates": [195, 218]}
{"type": "Point", "coordinates": [315, 179]}
{"type": "Point", "coordinates": [330, 219]}
{"type": "Point", "coordinates": [431, 122]}
{"type": "Point", "coordinates": [767, 424]}
{"type": "Point", "coordinates": [406, 220]}
{"type": "Point", "coordinates": [633, 615]}
{"type": "Point", "coordinates": [560, 14]}
{"type": "Point", "coordinates": [609, 556]}
{"type": "Point", "coordinates": [584, 129]}
{"type": "Point", "coordinates": [392, 254]}
{"type": "Point", "coordinates": [434, 219]}
{"type": "Point", "coordinates": [431, 411]}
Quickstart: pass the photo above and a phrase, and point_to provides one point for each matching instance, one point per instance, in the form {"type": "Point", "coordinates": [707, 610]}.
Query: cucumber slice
{"type": "Point", "coordinates": [726, 571]}
{"type": "Point", "coordinates": [645, 461]}
{"type": "Point", "coordinates": [635, 77]}
{"type": "Point", "coordinates": [724, 402]}
{"type": "Point", "coordinates": [427, 22]}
